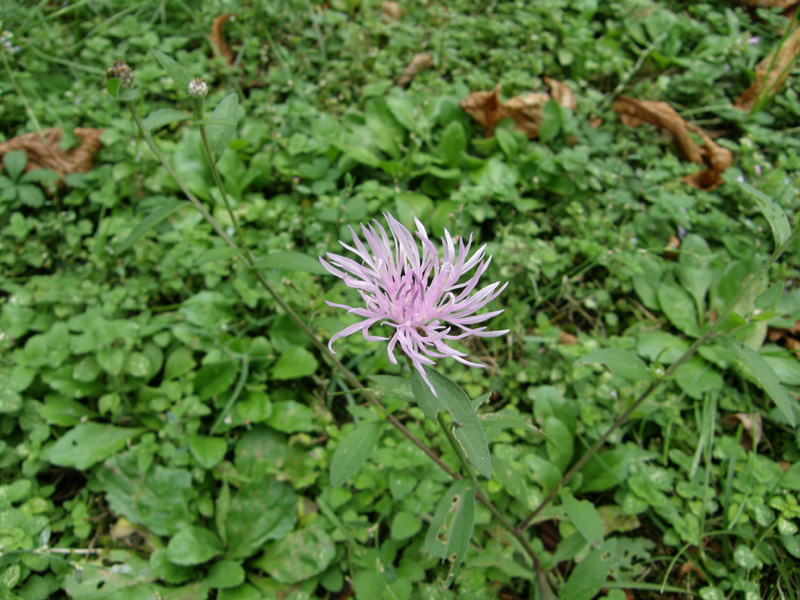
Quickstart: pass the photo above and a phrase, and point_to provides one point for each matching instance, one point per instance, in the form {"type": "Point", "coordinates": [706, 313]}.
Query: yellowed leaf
{"type": "Point", "coordinates": [419, 62]}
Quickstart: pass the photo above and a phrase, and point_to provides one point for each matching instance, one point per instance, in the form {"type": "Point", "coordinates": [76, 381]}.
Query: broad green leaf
{"type": "Point", "coordinates": [207, 451]}
{"type": "Point", "coordinates": [679, 308]}
{"type": "Point", "coordinates": [296, 362]}
{"type": "Point", "coordinates": [551, 121]}
{"type": "Point", "coordinates": [405, 524]}
{"type": "Point", "coordinates": [494, 423]}
{"type": "Point", "coordinates": [176, 72]}
{"type": "Point", "coordinates": [590, 575]}
{"type": "Point", "coordinates": [289, 260]}
{"type": "Point", "coordinates": [260, 511]}
{"type": "Point", "coordinates": [90, 443]}
{"type": "Point", "coordinates": [466, 424]}
{"type": "Point", "coordinates": [390, 386]}
{"type": "Point", "coordinates": [387, 133]}
{"type": "Point", "coordinates": [451, 528]}
{"type": "Point", "coordinates": [353, 450]}
{"type": "Point", "coordinates": [158, 498]}
{"type": "Point", "coordinates": [452, 143]}
{"type": "Point", "coordinates": [225, 574]}
{"type": "Point", "coordinates": [215, 378]}
{"type": "Point", "coordinates": [584, 516]}
{"type": "Point", "coordinates": [242, 592]}
{"type": "Point", "coordinates": [10, 401]}
{"type": "Point", "coordinates": [507, 142]}
{"type": "Point", "coordinates": [661, 346]}
{"type": "Point", "coordinates": [179, 361]}
{"type": "Point", "coordinates": [694, 270]}
{"type": "Point", "coordinates": [193, 546]}
{"type": "Point", "coordinates": [773, 213]}
{"type": "Point", "coordinates": [768, 380]}
{"type": "Point", "coordinates": [624, 363]}
{"type": "Point", "coordinates": [216, 254]}
{"type": "Point", "coordinates": [404, 111]}
{"type": "Point", "coordinates": [163, 116]}
{"type": "Point", "coordinates": [221, 125]}
{"type": "Point", "coordinates": [14, 162]}
{"type": "Point", "coordinates": [290, 417]}
{"type": "Point", "coordinates": [560, 445]}
{"type": "Point", "coordinates": [299, 556]}
{"type": "Point", "coordinates": [151, 220]}
{"type": "Point", "coordinates": [697, 377]}
{"type": "Point", "coordinates": [511, 479]}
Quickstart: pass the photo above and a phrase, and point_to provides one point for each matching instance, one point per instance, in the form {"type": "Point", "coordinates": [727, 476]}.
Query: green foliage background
{"type": "Point", "coordinates": [166, 432]}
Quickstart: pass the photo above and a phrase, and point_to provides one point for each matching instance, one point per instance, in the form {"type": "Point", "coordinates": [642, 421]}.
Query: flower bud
{"type": "Point", "coordinates": [123, 72]}
{"type": "Point", "coordinates": [198, 88]}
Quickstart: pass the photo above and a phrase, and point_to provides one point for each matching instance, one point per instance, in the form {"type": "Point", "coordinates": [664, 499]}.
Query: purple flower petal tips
{"type": "Point", "coordinates": [415, 291]}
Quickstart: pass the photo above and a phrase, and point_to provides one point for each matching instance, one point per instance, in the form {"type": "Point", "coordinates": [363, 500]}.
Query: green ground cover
{"type": "Point", "coordinates": [169, 431]}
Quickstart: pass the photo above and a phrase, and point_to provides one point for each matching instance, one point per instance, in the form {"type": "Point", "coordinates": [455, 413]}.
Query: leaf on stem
{"type": "Point", "coordinates": [467, 426]}
{"type": "Point", "coordinates": [180, 77]}
{"type": "Point", "coordinates": [151, 220]}
{"type": "Point", "coordinates": [451, 529]}
{"type": "Point", "coordinates": [773, 213]}
{"type": "Point", "coordinates": [624, 363]}
{"type": "Point", "coordinates": [354, 450]}
{"type": "Point", "coordinates": [221, 125]}
{"type": "Point", "coordinates": [768, 380]}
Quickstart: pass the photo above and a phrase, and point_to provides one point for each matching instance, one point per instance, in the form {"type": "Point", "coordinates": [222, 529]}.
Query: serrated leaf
{"type": "Point", "coordinates": [773, 213]}
{"type": "Point", "coordinates": [466, 427]}
{"type": "Point", "coordinates": [151, 220]}
{"type": "Point", "coordinates": [624, 363]}
{"type": "Point", "coordinates": [768, 380]}
{"type": "Point", "coordinates": [90, 443]}
{"type": "Point", "coordinates": [451, 528]}
{"type": "Point", "coordinates": [289, 260]}
{"type": "Point", "coordinates": [163, 116]}
{"type": "Point", "coordinates": [354, 450]}
{"type": "Point", "coordinates": [221, 125]}
{"type": "Point", "coordinates": [179, 75]}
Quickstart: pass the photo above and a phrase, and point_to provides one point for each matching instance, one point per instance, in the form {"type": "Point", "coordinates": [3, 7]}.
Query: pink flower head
{"type": "Point", "coordinates": [416, 293]}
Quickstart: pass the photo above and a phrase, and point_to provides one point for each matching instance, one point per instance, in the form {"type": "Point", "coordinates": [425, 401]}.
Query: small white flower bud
{"type": "Point", "coordinates": [198, 88]}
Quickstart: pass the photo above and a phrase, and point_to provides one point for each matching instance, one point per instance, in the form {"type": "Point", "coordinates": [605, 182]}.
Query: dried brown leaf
{"type": "Point", "coordinates": [771, 72]}
{"type": "Point", "coordinates": [391, 10]}
{"type": "Point", "coordinates": [488, 111]}
{"type": "Point", "coordinates": [44, 151]}
{"type": "Point", "coordinates": [567, 338]}
{"type": "Point", "coordinates": [218, 38]}
{"type": "Point", "coordinates": [562, 94]}
{"type": "Point", "coordinates": [768, 3]}
{"type": "Point", "coordinates": [634, 112]}
{"type": "Point", "coordinates": [752, 427]}
{"type": "Point", "coordinates": [419, 62]}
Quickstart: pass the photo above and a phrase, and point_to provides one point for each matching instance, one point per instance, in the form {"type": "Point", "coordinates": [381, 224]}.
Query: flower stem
{"type": "Point", "coordinates": [692, 350]}
{"type": "Point", "coordinates": [245, 256]}
{"type": "Point", "coordinates": [446, 423]}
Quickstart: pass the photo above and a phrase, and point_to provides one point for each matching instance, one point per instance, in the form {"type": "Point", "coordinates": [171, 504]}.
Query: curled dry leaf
{"type": "Point", "coordinates": [717, 159]}
{"type": "Point", "coordinates": [567, 338]}
{"type": "Point", "coordinates": [419, 62]}
{"type": "Point", "coordinates": [751, 425]}
{"type": "Point", "coordinates": [771, 72]}
{"type": "Point", "coordinates": [767, 3]}
{"type": "Point", "coordinates": [44, 151]}
{"type": "Point", "coordinates": [218, 38]}
{"type": "Point", "coordinates": [391, 10]}
{"type": "Point", "coordinates": [790, 338]}
{"type": "Point", "coordinates": [525, 109]}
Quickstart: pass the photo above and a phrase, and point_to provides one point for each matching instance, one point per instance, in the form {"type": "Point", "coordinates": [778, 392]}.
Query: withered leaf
{"type": "Point", "coordinates": [752, 428]}
{"type": "Point", "coordinates": [634, 112]}
{"type": "Point", "coordinates": [771, 72]}
{"type": "Point", "coordinates": [44, 150]}
{"type": "Point", "coordinates": [218, 38]}
{"type": "Point", "coordinates": [525, 109]}
{"type": "Point", "coordinates": [419, 62]}
{"type": "Point", "coordinates": [391, 10]}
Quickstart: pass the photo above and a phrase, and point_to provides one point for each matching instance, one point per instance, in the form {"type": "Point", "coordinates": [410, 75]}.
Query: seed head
{"type": "Point", "coordinates": [121, 70]}
{"type": "Point", "coordinates": [198, 88]}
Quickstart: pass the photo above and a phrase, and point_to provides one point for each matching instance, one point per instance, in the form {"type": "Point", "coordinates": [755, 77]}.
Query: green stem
{"type": "Point", "coordinates": [709, 333]}
{"type": "Point", "coordinates": [244, 255]}
{"type": "Point", "coordinates": [22, 97]}
{"type": "Point", "coordinates": [446, 423]}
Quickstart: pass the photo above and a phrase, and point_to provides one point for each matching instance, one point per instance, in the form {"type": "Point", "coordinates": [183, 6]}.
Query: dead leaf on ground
{"type": "Point", "coordinates": [690, 567]}
{"type": "Point", "coordinates": [525, 109]}
{"type": "Point", "coordinates": [567, 338]}
{"type": "Point", "coordinates": [716, 158]}
{"type": "Point", "coordinates": [789, 338]}
{"type": "Point", "coordinates": [218, 38]}
{"type": "Point", "coordinates": [44, 151]}
{"type": "Point", "coordinates": [782, 4]}
{"type": "Point", "coordinates": [771, 72]}
{"type": "Point", "coordinates": [752, 427]}
{"type": "Point", "coordinates": [391, 10]}
{"type": "Point", "coordinates": [419, 62]}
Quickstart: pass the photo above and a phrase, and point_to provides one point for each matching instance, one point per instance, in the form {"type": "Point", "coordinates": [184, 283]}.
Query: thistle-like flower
{"type": "Point", "coordinates": [419, 295]}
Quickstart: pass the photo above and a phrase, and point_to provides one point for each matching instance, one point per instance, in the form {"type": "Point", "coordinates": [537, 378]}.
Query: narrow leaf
{"type": "Point", "coordinates": [590, 575]}
{"type": "Point", "coordinates": [451, 529]}
{"type": "Point", "coordinates": [221, 125]}
{"type": "Point", "coordinates": [773, 213]}
{"type": "Point", "coordinates": [354, 450]}
{"type": "Point", "coordinates": [163, 116]}
{"type": "Point", "coordinates": [467, 426]}
{"type": "Point", "coordinates": [585, 518]}
{"type": "Point", "coordinates": [146, 224]}
{"type": "Point", "coordinates": [767, 378]}
{"type": "Point", "coordinates": [624, 363]}
{"type": "Point", "coordinates": [176, 72]}
{"type": "Point", "coordinates": [289, 260]}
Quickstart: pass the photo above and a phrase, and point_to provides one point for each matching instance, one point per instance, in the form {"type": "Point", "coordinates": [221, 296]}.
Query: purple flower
{"type": "Point", "coordinates": [417, 294]}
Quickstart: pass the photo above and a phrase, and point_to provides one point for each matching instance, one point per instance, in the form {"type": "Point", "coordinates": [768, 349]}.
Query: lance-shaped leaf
{"type": "Point", "coordinates": [451, 529]}
{"type": "Point", "coordinates": [768, 380]}
{"type": "Point", "coordinates": [353, 450]}
{"type": "Point", "coordinates": [624, 363]}
{"type": "Point", "coordinates": [466, 427]}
